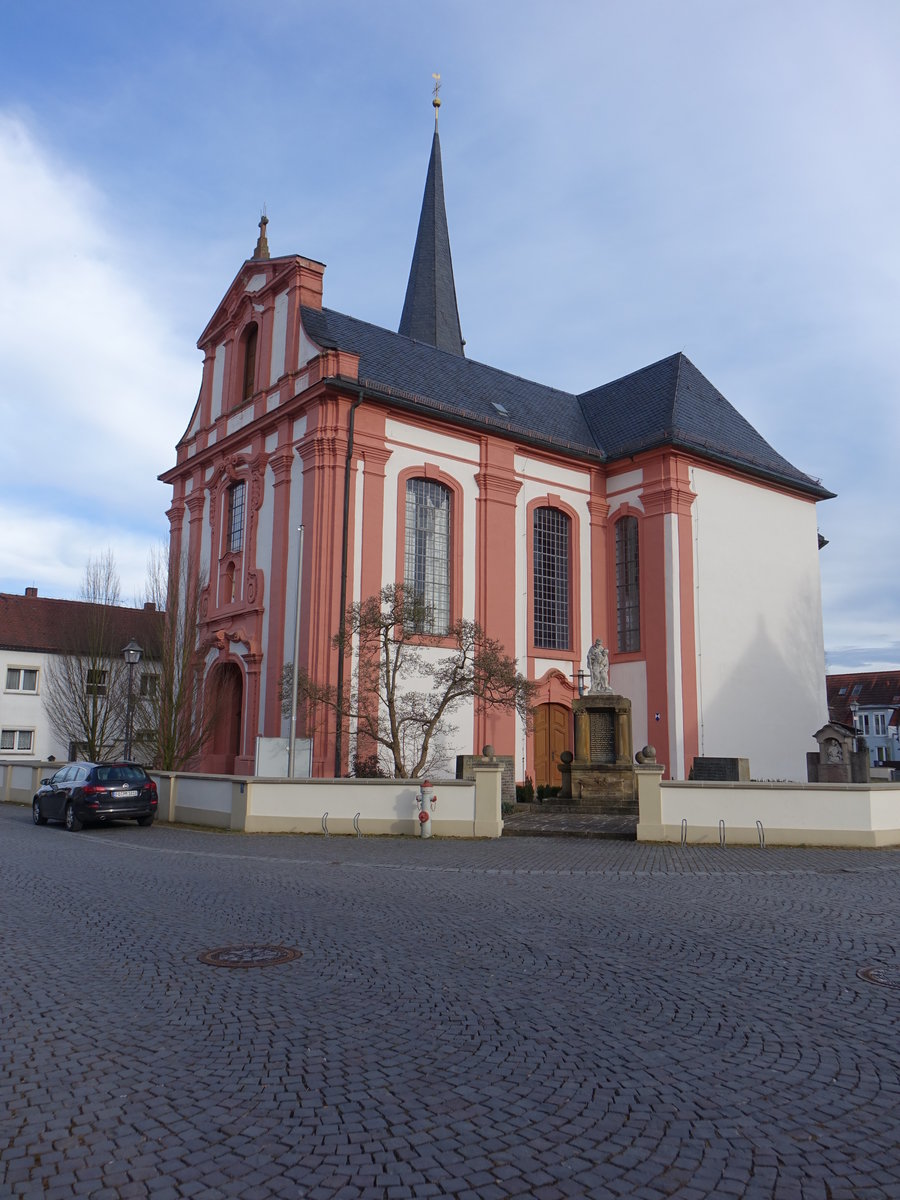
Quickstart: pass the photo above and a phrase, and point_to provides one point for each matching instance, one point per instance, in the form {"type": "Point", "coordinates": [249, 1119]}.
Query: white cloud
{"type": "Point", "coordinates": [94, 392]}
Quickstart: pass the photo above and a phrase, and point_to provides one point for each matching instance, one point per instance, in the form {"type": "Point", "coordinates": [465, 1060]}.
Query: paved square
{"type": "Point", "coordinates": [531, 1017]}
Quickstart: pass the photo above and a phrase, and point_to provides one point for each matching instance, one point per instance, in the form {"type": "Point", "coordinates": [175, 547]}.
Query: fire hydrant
{"type": "Point", "coordinates": [425, 802]}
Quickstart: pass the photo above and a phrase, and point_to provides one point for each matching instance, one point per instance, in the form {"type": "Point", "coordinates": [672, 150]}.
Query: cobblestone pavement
{"type": "Point", "coordinates": [527, 1017]}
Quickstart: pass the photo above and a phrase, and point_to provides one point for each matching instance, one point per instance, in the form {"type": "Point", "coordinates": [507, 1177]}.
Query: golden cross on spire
{"type": "Point", "coordinates": [437, 100]}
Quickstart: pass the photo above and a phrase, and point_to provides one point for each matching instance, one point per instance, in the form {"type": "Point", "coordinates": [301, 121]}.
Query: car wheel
{"type": "Point", "coordinates": [72, 822]}
{"type": "Point", "coordinates": [145, 821]}
{"type": "Point", "coordinates": [36, 815]}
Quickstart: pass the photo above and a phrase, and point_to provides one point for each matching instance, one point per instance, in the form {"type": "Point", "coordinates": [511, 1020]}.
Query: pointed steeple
{"type": "Point", "coordinates": [430, 313]}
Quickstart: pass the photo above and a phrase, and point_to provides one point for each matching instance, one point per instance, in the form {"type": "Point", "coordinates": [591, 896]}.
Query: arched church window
{"type": "Point", "coordinates": [551, 578]}
{"type": "Point", "coordinates": [248, 346]}
{"type": "Point", "coordinates": [427, 552]}
{"type": "Point", "coordinates": [628, 591]}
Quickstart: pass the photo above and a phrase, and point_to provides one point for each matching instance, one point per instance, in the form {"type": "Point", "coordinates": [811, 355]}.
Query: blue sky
{"type": "Point", "coordinates": [623, 181]}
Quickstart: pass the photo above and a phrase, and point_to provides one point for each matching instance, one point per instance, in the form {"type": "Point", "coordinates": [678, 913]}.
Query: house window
{"type": "Point", "coordinates": [426, 571]}
{"type": "Point", "coordinates": [149, 684]}
{"type": "Point", "coordinates": [21, 679]}
{"type": "Point", "coordinates": [16, 739]}
{"type": "Point", "coordinates": [248, 342]}
{"type": "Point", "coordinates": [95, 684]}
{"type": "Point", "coordinates": [550, 569]}
{"type": "Point", "coordinates": [862, 723]}
{"type": "Point", "coordinates": [880, 724]}
{"type": "Point", "coordinates": [628, 592]}
{"type": "Point", "coordinates": [235, 538]}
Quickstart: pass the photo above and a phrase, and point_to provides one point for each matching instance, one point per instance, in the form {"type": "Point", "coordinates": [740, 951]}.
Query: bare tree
{"type": "Point", "coordinates": [85, 688]}
{"type": "Point", "coordinates": [177, 712]}
{"type": "Point", "coordinates": [404, 692]}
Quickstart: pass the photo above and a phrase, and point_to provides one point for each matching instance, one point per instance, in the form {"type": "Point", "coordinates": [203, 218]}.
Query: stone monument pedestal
{"type": "Point", "coordinates": [602, 771]}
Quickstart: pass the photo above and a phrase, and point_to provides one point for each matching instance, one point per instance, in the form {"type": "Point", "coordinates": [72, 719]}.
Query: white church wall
{"type": "Point", "coordinates": [625, 489]}
{"type": "Point", "coordinates": [630, 679]}
{"type": "Point", "coordinates": [758, 619]}
{"type": "Point", "coordinates": [279, 338]}
{"type": "Point", "coordinates": [218, 382]}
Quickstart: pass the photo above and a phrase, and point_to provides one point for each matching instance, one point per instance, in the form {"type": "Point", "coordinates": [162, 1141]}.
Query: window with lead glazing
{"type": "Point", "coordinates": [235, 538]}
{"type": "Point", "coordinates": [426, 571]}
{"type": "Point", "coordinates": [628, 594]}
{"type": "Point", "coordinates": [550, 563]}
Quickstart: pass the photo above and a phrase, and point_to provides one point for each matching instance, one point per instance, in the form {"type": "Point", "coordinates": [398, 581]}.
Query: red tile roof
{"type": "Point", "coordinates": [43, 625]}
{"type": "Point", "coordinates": [868, 689]}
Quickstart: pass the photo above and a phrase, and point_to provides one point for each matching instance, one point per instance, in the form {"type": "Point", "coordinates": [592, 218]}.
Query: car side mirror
{"type": "Point", "coordinates": [44, 781]}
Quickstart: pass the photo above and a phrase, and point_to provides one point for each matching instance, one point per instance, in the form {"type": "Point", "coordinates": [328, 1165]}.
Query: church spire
{"type": "Point", "coordinates": [430, 313]}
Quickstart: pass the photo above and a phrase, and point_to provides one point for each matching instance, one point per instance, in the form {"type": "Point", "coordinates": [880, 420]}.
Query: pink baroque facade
{"type": "Point", "coordinates": [646, 512]}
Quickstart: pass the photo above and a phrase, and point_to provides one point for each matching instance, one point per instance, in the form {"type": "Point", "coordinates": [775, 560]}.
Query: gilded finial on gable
{"type": "Point", "coordinates": [437, 100]}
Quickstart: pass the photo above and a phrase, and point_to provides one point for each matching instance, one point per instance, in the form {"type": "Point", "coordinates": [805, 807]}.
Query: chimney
{"type": "Point", "coordinates": [31, 591]}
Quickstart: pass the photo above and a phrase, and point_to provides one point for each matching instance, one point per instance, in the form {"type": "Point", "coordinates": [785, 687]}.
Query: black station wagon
{"type": "Point", "coordinates": [94, 792]}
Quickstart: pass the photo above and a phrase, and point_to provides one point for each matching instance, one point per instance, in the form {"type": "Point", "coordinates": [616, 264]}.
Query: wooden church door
{"type": "Point", "coordinates": [551, 737]}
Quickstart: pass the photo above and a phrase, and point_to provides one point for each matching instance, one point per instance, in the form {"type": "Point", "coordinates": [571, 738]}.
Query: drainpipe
{"type": "Point", "coordinates": [345, 538]}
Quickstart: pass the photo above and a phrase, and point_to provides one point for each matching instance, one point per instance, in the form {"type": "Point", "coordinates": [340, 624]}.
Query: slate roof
{"type": "Point", "coordinates": [670, 403]}
{"type": "Point", "coordinates": [45, 626]}
{"type": "Point", "coordinates": [667, 403]}
{"type": "Point", "coordinates": [421, 376]}
{"type": "Point", "coordinates": [868, 689]}
{"type": "Point", "coordinates": [430, 313]}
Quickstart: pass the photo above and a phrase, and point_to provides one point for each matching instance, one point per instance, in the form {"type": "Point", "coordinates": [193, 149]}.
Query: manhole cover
{"type": "Point", "coordinates": [885, 976]}
{"type": "Point", "coordinates": [248, 956]}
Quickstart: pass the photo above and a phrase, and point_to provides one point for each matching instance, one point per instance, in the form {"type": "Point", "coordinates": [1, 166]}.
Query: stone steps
{"type": "Point", "coordinates": [599, 808]}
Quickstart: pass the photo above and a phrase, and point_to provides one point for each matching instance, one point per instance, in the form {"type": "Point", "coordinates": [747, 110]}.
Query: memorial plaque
{"type": "Point", "coordinates": [720, 770]}
{"type": "Point", "coordinates": [603, 740]}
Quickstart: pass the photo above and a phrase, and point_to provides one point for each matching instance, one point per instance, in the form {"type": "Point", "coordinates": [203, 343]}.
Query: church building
{"type": "Point", "coordinates": [646, 512]}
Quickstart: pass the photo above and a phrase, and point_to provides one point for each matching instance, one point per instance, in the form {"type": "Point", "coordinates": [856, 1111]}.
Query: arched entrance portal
{"type": "Point", "coordinates": [551, 737]}
{"type": "Point", "coordinates": [227, 690]}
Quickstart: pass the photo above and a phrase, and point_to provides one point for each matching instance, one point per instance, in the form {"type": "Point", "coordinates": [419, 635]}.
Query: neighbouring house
{"type": "Point", "coordinates": [869, 701]}
{"type": "Point", "coordinates": [646, 511]}
{"type": "Point", "coordinates": [33, 631]}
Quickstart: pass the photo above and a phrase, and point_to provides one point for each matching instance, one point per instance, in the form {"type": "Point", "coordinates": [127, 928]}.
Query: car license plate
{"type": "Point", "coordinates": [126, 795]}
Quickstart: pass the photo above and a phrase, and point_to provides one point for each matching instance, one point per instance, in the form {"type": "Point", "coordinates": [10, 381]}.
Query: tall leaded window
{"type": "Point", "coordinates": [235, 539]}
{"type": "Point", "coordinates": [628, 592]}
{"type": "Point", "coordinates": [426, 571]}
{"type": "Point", "coordinates": [550, 555]}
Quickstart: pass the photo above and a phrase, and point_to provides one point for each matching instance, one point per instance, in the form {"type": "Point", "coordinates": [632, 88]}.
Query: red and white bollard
{"type": "Point", "coordinates": [425, 802]}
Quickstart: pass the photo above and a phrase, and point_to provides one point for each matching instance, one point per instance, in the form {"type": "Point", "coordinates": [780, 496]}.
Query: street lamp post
{"type": "Point", "coordinates": [132, 655]}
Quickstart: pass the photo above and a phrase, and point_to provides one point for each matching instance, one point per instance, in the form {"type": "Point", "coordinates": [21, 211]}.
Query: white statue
{"type": "Point", "coordinates": [598, 665]}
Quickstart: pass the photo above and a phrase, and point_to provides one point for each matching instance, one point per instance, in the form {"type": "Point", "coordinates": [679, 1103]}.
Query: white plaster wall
{"type": "Point", "coordinates": [25, 710]}
{"type": "Point", "coordinates": [630, 679]}
{"type": "Point", "coordinates": [813, 807]}
{"type": "Point", "coordinates": [760, 644]}
{"type": "Point", "coordinates": [205, 541]}
{"type": "Point", "coordinates": [279, 338]}
{"type": "Point", "coordinates": [218, 382]}
{"type": "Point", "coordinates": [239, 419]}
{"type": "Point", "coordinates": [625, 488]}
